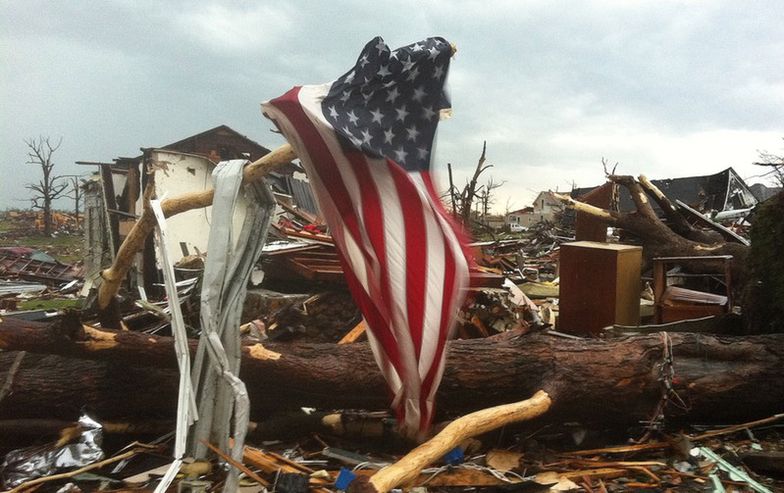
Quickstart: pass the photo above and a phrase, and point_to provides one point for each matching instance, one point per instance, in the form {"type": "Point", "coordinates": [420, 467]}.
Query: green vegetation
{"type": "Point", "coordinates": [53, 304]}
{"type": "Point", "coordinates": [762, 305]}
{"type": "Point", "coordinates": [20, 232]}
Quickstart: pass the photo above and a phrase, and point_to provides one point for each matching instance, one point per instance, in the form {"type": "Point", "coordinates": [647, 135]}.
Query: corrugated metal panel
{"type": "Point", "coordinates": [303, 195]}
{"type": "Point", "coordinates": [13, 287]}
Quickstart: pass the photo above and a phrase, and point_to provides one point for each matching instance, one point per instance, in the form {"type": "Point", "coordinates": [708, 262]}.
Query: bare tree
{"type": "Point", "coordinates": [473, 196]}
{"type": "Point", "coordinates": [463, 201]}
{"type": "Point", "coordinates": [50, 187]}
{"type": "Point", "coordinates": [76, 184]}
{"type": "Point", "coordinates": [486, 196]}
{"type": "Point", "coordinates": [774, 161]}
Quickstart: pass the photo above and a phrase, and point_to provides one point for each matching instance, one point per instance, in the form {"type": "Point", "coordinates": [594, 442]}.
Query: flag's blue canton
{"type": "Point", "coordinates": [389, 103]}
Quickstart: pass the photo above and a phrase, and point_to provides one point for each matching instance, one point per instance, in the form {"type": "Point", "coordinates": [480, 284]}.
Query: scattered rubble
{"type": "Point", "coordinates": [306, 334]}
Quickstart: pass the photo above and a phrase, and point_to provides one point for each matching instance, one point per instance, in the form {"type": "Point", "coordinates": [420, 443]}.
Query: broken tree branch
{"type": "Point", "coordinates": [134, 242]}
{"type": "Point", "coordinates": [657, 238]}
{"type": "Point", "coordinates": [470, 425]}
{"type": "Point", "coordinates": [637, 193]}
{"type": "Point", "coordinates": [676, 220]}
{"type": "Point", "coordinates": [610, 217]}
{"type": "Point", "coordinates": [625, 449]}
{"type": "Point", "coordinates": [69, 474]}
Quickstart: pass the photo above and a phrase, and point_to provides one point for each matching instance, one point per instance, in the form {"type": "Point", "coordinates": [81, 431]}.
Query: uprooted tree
{"type": "Point", "coordinates": [756, 270]}
{"type": "Point", "coordinates": [676, 238]}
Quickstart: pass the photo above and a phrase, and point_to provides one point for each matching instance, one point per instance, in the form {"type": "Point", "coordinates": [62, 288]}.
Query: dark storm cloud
{"type": "Point", "coordinates": [667, 88]}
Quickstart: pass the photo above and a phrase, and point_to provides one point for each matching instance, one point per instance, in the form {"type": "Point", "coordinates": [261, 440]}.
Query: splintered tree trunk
{"type": "Point", "coordinates": [675, 239]}
{"type": "Point", "coordinates": [612, 381]}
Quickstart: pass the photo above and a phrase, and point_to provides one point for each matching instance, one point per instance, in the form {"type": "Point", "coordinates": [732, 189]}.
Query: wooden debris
{"type": "Point", "coordinates": [739, 427]}
{"type": "Point", "coordinates": [407, 468]}
{"type": "Point", "coordinates": [354, 333]}
{"type": "Point", "coordinates": [626, 449]}
{"type": "Point", "coordinates": [238, 465]}
{"type": "Point", "coordinates": [272, 463]}
{"type": "Point", "coordinates": [503, 460]}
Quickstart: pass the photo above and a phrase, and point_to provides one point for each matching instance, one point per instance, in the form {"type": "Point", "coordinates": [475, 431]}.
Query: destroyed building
{"type": "Point", "coordinates": [606, 380]}
{"type": "Point", "coordinates": [720, 192]}
{"type": "Point", "coordinates": [182, 166]}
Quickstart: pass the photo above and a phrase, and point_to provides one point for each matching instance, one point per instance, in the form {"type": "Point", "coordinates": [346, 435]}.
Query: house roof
{"type": "Point", "coordinates": [218, 144]}
{"type": "Point", "coordinates": [223, 131]}
{"type": "Point", "coordinates": [764, 192]}
{"type": "Point", "coordinates": [548, 194]}
{"type": "Point", "coordinates": [230, 145]}
{"type": "Point", "coordinates": [724, 190]}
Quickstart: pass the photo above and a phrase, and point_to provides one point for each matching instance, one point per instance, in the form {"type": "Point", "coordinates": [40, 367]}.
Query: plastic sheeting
{"type": "Point", "coordinates": [34, 462]}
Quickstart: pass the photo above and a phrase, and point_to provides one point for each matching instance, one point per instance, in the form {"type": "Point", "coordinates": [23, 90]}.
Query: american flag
{"type": "Point", "coordinates": [366, 143]}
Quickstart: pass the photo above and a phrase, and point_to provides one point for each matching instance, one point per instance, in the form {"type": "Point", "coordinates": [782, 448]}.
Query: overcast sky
{"type": "Point", "coordinates": [664, 88]}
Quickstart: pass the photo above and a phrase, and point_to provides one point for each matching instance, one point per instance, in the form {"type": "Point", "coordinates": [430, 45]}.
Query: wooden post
{"type": "Point", "coordinates": [452, 191]}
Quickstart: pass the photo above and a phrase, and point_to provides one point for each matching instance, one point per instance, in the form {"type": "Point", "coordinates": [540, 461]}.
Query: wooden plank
{"type": "Point", "coordinates": [485, 280]}
{"type": "Point", "coordinates": [695, 215]}
{"type": "Point", "coordinates": [316, 264]}
{"type": "Point", "coordinates": [354, 333]}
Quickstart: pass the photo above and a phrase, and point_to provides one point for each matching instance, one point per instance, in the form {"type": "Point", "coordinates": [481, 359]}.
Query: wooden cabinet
{"type": "Point", "coordinates": [600, 286]}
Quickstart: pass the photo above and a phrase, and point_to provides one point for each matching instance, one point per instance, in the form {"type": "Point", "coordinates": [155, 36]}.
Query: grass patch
{"type": "Point", "coordinates": [53, 304]}
{"type": "Point", "coordinates": [65, 247]}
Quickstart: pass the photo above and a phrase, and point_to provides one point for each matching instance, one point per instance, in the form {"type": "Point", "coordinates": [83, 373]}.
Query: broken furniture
{"type": "Point", "coordinates": [600, 286]}
{"type": "Point", "coordinates": [673, 303]}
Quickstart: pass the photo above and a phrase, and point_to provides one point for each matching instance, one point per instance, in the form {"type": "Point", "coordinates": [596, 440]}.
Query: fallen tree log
{"type": "Point", "coordinates": [612, 381]}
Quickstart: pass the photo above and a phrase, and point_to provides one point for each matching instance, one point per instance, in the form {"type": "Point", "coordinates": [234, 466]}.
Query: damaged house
{"type": "Point", "coordinates": [712, 195]}
{"type": "Point", "coordinates": [182, 166]}
{"type": "Point", "coordinates": [544, 208]}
